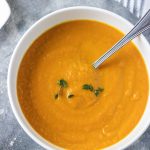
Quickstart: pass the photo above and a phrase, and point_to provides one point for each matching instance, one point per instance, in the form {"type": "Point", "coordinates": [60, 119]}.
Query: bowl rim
{"type": "Point", "coordinates": [31, 132]}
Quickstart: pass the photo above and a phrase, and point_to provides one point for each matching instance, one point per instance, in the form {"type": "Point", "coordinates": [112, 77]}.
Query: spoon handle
{"type": "Point", "coordinates": [142, 25]}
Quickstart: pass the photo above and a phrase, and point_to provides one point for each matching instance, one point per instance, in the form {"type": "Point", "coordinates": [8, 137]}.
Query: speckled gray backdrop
{"type": "Point", "coordinates": [23, 14]}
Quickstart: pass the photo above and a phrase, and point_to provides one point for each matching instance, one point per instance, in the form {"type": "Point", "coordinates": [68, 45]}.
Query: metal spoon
{"type": "Point", "coordinates": [142, 25]}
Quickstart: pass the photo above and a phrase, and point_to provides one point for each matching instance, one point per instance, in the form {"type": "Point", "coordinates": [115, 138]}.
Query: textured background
{"type": "Point", "coordinates": [24, 14]}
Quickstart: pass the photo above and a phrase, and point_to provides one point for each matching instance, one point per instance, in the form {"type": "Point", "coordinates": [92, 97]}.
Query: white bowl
{"type": "Point", "coordinates": [50, 20]}
{"type": "Point", "coordinates": [4, 12]}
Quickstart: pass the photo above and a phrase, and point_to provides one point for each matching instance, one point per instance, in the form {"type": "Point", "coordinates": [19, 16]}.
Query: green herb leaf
{"type": "Point", "coordinates": [56, 96]}
{"type": "Point", "coordinates": [70, 95]}
{"type": "Point", "coordinates": [62, 83]}
{"type": "Point", "coordinates": [98, 91]}
{"type": "Point", "coordinates": [87, 87]}
{"type": "Point", "coordinates": [101, 89]}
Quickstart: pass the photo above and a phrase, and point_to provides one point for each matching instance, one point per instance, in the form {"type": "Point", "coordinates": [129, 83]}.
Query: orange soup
{"type": "Point", "coordinates": [73, 105]}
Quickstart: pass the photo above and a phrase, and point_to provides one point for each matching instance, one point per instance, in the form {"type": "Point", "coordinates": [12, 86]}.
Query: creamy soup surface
{"type": "Point", "coordinates": [84, 121]}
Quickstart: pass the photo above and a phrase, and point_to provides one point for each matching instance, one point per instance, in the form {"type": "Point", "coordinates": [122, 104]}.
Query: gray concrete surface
{"type": "Point", "coordinates": [24, 14]}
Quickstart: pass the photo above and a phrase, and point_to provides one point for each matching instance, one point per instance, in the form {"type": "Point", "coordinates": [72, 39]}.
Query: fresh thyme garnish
{"type": "Point", "coordinates": [56, 96]}
{"type": "Point", "coordinates": [70, 96]}
{"type": "Point", "coordinates": [62, 83]}
{"type": "Point", "coordinates": [98, 91]}
{"type": "Point", "coordinates": [88, 87]}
